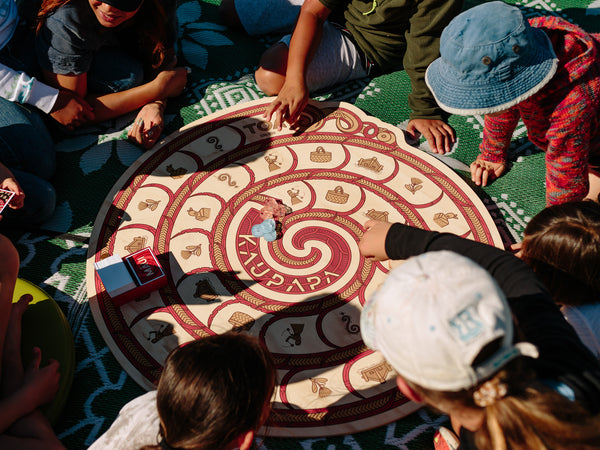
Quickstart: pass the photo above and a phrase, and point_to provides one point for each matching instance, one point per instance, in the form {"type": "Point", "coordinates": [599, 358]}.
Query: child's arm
{"type": "Point", "coordinates": [497, 134]}
{"type": "Point", "coordinates": [148, 124]}
{"type": "Point", "coordinates": [71, 110]}
{"type": "Point", "coordinates": [9, 182]}
{"type": "Point", "coordinates": [422, 48]}
{"type": "Point", "coordinates": [39, 387]}
{"type": "Point", "coordinates": [63, 106]}
{"type": "Point", "coordinates": [439, 135]}
{"type": "Point", "coordinates": [293, 96]}
{"type": "Point", "coordinates": [168, 83]}
{"type": "Point", "coordinates": [372, 242]}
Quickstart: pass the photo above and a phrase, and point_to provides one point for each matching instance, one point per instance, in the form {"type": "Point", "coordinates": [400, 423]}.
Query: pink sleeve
{"type": "Point", "coordinates": [497, 133]}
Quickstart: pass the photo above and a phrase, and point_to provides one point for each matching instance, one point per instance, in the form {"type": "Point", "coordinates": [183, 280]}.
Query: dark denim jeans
{"type": "Point", "coordinates": [26, 148]}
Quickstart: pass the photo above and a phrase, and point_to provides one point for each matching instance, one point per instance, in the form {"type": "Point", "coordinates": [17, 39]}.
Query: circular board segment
{"type": "Point", "coordinates": [194, 200]}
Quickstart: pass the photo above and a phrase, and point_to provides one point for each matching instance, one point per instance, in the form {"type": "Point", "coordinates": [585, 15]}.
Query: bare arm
{"type": "Point", "coordinates": [39, 387]}
{"type": "Point", "coordinates": [167, 83]}
{"type": "Point", "coordinates": [305, 40]}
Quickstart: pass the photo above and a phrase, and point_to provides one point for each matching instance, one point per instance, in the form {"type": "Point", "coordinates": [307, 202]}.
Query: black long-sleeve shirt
{"type": "Point", "coordinates": [562, 355]}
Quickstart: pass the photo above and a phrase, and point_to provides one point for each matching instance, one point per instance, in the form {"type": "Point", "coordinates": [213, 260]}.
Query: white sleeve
{"type": "Point", "coordinates": [20, 87]}
{"type": "Point", "coordinates": [136, 425]}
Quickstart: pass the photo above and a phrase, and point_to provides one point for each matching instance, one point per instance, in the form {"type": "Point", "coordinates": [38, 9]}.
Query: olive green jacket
{"type": "Point", "coordinates": [396, 34]}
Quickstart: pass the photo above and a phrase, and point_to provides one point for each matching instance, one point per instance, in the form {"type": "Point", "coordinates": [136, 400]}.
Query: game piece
{"type": "Point", "coordinates": [128, 278]}
{"type": "Point", "coordinates": [267, 229]}
{"type": "Point", "coordinates": [273, 209]}
{"type": "Point", "coordinates": [114, 275]}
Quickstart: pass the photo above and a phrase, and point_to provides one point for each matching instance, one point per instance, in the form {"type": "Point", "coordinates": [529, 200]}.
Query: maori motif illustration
{"type": "Point", "coordinates": [415, 185]}
{"type": "Point", "coordinates": [293, 334]}
{"type": "Point", "coordinates": [377, 215]}
{"type": "Point", "coordinates": [350, 327]}
{"type": "Point", "coordinates": [190, 250]}
{"type": "Point", "coordinates": [370, 164]}
{"type": "Point", "coordinates": [138, 243]}
{"type": "Point", "coordinates": [294, 196]}
{"type": "Point", "coordinates": [272, 161]}
{"type": "Point", "coordinates": [200, 215]}
{"type": "Point", "coordinates": [241, 321]}
{"type": "Point", "coordinates": [337, 195]}
{"type": "Point", "coordinates": [320, 155]}
{"type": "Point", "coordinates": [443, 220]}
{"type": "Point", "coordinates": [215, 140]}
{"type": "Point", "coordinates": [319, 385]}
{"type": "Point", "coordinates": [149, 203]}
{"type": "Point", "coordinates": [176, 172]}
{"type": "Point", "coordinates": [378, 372]}
{"type": "Point", "coordinates": [163, 331]}
{"type": "Point", "coordinates": [226, 177]}
{"type": "Point", "coordinates": [205, 291]}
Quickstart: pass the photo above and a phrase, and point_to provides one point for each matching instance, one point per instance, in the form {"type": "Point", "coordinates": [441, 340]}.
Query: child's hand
{"type": "Point", "coordinates": [11, 184]}
{"type": "Point", "coordinates": [438, 133]}
{"type": "Point", "coordinates": [517, 249]}
{"type": "Point", "coordinates": [41, 384]}
{"type": "Point", "coordinates": [372, 243]}
{"type": "Point", "coordinates": [71, 110]}
{"type": "Point", "coordinates": [148, 125]}
{"type": "Point", "coordinates": [171, 83]}
{"type": "Point", "coordinates": [288, 105]}
{"type": "Point", "coordinates": [483, 171]}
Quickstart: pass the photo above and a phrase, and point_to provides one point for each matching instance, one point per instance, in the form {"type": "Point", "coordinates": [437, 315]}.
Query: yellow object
{"type": "Point", "coordinates": [45, 326]}
{"type": "Point", "coordinates": [372, 8]}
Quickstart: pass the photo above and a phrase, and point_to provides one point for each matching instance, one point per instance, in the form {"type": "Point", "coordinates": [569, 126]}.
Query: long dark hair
{"type": "Point", "coordinates": [213, 390]}
{"type": "Point", "coordinates": [562, 245]}
{"type": "Point", "coordinates": [149, 25]}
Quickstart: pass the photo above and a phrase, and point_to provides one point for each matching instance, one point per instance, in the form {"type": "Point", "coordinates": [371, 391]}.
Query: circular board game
{"type": "Point", "coordinates": [194, 200]}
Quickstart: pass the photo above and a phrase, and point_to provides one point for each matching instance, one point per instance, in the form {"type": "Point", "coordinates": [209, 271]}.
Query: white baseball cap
{"type": "Point", "coordinates": [434, 314]}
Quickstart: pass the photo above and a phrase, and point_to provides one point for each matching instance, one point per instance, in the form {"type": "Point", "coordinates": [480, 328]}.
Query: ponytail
{"type": "Point", "coordinates": [523, 413]}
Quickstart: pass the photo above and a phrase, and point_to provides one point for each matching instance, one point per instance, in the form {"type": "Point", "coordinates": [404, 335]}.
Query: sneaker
{"type": "Point", "coordinates": [444, 439]}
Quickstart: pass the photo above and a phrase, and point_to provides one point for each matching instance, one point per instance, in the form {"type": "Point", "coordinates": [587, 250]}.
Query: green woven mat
{"type": "Point", "coordinates": [223, 62]}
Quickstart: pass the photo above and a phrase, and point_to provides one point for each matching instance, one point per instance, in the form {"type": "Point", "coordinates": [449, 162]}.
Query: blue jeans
{"type": "Point", "coordinates": [26, 148]}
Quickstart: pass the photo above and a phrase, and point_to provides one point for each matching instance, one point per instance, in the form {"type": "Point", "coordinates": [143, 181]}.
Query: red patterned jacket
{"type": "Point", "coordinates": [563, 119]}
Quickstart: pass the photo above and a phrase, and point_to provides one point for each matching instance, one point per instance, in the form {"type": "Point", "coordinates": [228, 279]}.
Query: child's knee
{"type": "Point", "coordinates": [270, 74]}
{"type": "Point", "coordinates": [9, 258]}
{"type": "Point", "coordinates": [269, 82]}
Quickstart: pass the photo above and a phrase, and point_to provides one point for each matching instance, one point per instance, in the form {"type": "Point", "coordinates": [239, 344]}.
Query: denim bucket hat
{"type": "Point", "coordinates": [491, 59]}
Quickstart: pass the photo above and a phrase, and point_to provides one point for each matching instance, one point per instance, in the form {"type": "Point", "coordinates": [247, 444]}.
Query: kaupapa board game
{"type": "Point", "coordinates": [128, 278]}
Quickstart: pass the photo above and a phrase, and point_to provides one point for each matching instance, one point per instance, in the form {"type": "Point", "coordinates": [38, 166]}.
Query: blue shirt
{"type": "Point", "coordinates": [70, 38]}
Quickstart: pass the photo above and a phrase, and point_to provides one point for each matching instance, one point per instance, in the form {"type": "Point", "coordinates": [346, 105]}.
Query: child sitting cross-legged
{"type": "Point", "coordinates": [334, 41]}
